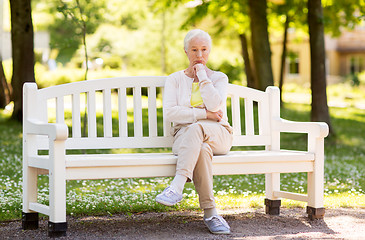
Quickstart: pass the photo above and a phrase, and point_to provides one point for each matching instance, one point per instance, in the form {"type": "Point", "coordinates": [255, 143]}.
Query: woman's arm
{"type": "Point", "coordinates": [214, 94]}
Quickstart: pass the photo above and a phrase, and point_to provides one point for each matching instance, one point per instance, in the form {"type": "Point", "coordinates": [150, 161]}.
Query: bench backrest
{"type": "Point", "coordinates": [114, 101]}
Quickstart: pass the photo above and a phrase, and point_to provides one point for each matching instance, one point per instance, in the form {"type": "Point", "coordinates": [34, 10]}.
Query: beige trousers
{"type": "Point", "coordinates": [195, 146]}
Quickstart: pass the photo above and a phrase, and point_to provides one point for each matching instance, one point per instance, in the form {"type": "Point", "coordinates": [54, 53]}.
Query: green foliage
{"type": "Point", "coordinates": [234, 72]}
{"type": "Point", "coordinates": [354, 79]}
{"type": "Point", "coordinates": [45, 78]}
{"type": "Point", "coordinates": [339, 14]}
{"type": "Point", "coordinates": [66, 30]}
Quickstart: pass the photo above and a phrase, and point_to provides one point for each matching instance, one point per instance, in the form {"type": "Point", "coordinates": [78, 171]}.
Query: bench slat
{"type": "Point", "coordinates": [263, 114]}
{"type": "Point", "coordinates": [122, 111]}
{"type": "Point", "coordinates": [91, 106]}
{"type": "Point", "coordinates": [249, 117]}
{"type": "Point", "coordinates": [164, 164]}
{"type": "Point", "coordinates": [236, 115]}
{"type": "Point", "coordinates": [166, 124]}
{"type": "Point", "coordinates": [141, 159]}
{"type": "Point", "coordinates": [41, 208]}
{"type": "Point", "coordinates": [76, 122]}
{"type": "Point", "coordinates": [116, 142]}
{"type": "Point", "coordinates": [143, 142]}
{"type": "Point", "coordinates": [60, 111]}
{"type": "Point", "coordinates": [256, 140]}
{"type": "Point", "coordinates": [41, 162]}
{"type": "Point", "coordinates": [137, 108]}
{"type": "Point", "coordinates": [289, 195]}
{"type": "Point", "coordinates": [107, 113]}
{"type": "Point", "coordinates": [152, 113]}
{"type": "Point", "coordinates": [100, 84]}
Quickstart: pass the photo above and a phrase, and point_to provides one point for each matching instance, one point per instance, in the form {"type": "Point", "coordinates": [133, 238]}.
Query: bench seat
{"type": "Point", "coordinates": [87, 166]}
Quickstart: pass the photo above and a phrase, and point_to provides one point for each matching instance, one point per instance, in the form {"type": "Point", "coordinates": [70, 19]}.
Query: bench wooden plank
{"type": "Point", "coordinates": [76, 122]}
{"type": "Point", "coordinates": [289, 195]}
{"type": "Point", "coordinates": [140, 159]}
{"type": "Point", "coordinates": [249, 117]}
{"type": "Point", "coordinates": [60, 111]}
{"type": "Point", "coordinates": [137, 109]}
{"type": "Point", "coordinates": [107, 113]}
{"type": "Point", "coordinates": [236, 115]}
{"type": "Point", "coordinates": [41, 208]}
{"type": "Point", "coordinates": [152, 113]}
{"type": "Point", "coordinates": [91, 107]}
{"type": "Point", "coordinates": [166, 124]}
{"type": "Point", "coordinates": [122, 112]}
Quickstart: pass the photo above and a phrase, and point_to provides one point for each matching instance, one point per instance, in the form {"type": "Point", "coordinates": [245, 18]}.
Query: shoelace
{"type": "Point", "coordinates": [218, 221]}
{"type": "Point", "coordinates": [169, 192]}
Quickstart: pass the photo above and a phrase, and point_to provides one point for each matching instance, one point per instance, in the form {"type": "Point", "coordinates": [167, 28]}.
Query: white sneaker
{"type": "Point", "coordinates": [217, 225]}
{"type": "Point", "coordinates": [169, 196]}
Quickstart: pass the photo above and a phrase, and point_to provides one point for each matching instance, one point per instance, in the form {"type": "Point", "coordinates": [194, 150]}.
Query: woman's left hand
{"type": "Point", "coordinates": [215, 116]}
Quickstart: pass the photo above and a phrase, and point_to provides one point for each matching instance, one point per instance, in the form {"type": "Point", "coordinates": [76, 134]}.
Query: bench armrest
{"type": "Point", "coordinates": [316, 129]}
{"type": "Point", "coordinates": [55, 131]}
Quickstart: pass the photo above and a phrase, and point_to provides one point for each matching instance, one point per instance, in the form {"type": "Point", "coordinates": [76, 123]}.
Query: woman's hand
{"type": "Point", "coordinates": [215, 116]}
{"type": "Point", "coordinates": [197, 67]}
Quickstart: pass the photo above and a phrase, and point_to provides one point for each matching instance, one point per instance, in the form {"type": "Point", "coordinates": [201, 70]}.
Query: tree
{"type": "Point", "coordinates": [292, 12]}
{"type": "Point", "coordinates": [251, 79]}
{"type": "Point", "coordinates": [283, 57]}
{"type": "Point", "coordinates": [22, 51]}
{"type": "Point", "coordinates": [320, 110]}
{"type": "Point", "coordinates": [260, 43]}
{"type": "Point", "coordinates": [76, 15]}
{"type": "Point", "coordinates": [67, 29]}
{"type": "Point", "coordinates": [4, 89]}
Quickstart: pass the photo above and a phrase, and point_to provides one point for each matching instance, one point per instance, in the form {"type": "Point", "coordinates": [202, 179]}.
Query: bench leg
{"type": "Point", "coordinates": [57, 190]}
{"type": "Point", "coordinates": [315, 208]}
{"type": "Point", "coordinates": [272, 203]}
{"type": "Point", "coordinates": [315, 213]}
{"type": "Point", "coordinates": [272, 207]}
{"type": "Point", "coordinates": [30, 221]}
{"type": "Point", "coordinates": [57, 229]}
{"type": "Point", "coordinates": [30, 186]}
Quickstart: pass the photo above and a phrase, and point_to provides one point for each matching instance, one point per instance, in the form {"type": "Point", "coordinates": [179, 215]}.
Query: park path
{"type": "Point", "coordinates": [340, 223]}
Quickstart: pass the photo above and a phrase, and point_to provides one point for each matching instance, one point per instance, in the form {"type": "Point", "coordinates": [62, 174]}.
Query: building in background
{"type": "Point", "coordinates": [345, 56]}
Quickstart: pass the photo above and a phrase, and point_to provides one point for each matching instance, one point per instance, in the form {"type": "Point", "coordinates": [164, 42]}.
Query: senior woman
{"type": "Point", "coordinates": [195, 101]}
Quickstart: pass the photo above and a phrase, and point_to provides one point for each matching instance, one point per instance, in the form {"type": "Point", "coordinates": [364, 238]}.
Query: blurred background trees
{"type": "Point", "coordinates": [143, 37]}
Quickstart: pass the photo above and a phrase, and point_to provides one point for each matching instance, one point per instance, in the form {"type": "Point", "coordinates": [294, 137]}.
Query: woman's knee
{"type": "Point", "coordinates": [206, 150]}
{"type": "Point", "coordinates": [194, 129]}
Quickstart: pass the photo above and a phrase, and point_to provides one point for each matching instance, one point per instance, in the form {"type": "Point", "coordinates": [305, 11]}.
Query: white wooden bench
{"type": "Point", "coordinates": [257, 129]}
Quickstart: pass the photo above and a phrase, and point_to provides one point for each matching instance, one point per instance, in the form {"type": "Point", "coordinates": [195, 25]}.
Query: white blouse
{"type": "Point", "coordinates": [177, 95]}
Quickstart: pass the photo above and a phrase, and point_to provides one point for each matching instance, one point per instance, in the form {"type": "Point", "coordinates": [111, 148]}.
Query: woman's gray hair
{"type": "Point", "coordinates": [196, 33]}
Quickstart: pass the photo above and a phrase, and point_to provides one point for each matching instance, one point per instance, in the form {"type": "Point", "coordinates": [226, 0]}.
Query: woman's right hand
{"type": "Point", "coordinates": [215, 116]}
{"type": "Point", "coordinates": [197, 67]}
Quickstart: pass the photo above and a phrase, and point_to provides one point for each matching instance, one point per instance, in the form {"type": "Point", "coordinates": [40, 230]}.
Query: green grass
{"type": "Point", "coordinates": [344, 175]}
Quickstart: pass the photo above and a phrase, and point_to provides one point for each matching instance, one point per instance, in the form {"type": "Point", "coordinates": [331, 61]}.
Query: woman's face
{"type": "Point", "coordinates": [198, 51]}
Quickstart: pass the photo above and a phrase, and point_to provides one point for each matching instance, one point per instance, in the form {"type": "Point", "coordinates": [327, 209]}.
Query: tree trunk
{"type": "Point", "coordinates": [283, 57]}
{"type": "Point", "coordinates": [260, 43]}
{"type": "Point", "coordinates": [251, 81]}
{"type": "Point", "coordinates": [5, 89]}
{"type": "Point", "coordinates": [320, 110]}
{"type": "Point", "coordinates": [22, 51]}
